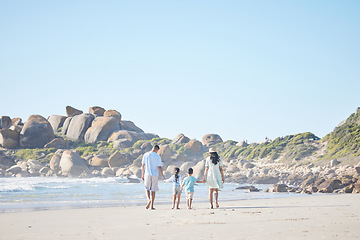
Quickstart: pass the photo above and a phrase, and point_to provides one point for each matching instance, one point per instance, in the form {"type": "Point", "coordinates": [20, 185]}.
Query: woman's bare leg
{"type": "Point", "coordinates": [211, 190]}
{"type": "Point", "coordinates": [216, 194]}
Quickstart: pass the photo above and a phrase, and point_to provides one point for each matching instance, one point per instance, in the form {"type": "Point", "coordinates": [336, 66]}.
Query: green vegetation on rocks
{"type": "Point", "coordinates": [41, 154]}
{"type": "Point", "coordinates": [291, 147]}
{"type": "Point", "coordinates": [344, 141]}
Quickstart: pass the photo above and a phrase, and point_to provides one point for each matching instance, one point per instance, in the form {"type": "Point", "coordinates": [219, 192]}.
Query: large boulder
{"type": "Point", "coordinates": [101, 129]}
{"type": "Point", "coordinates": [122, 143]}
{"type": "Point", "coordinates": [9, 138]}
{"type": "Point", "coordinates": [55, 161]}
{"type": "Point", "coordinates": [280, 188]}
{"type": "Point", "coordinates": [165, 153]}
{"type": "Point", "coordinates": [14, 169]}
{"type": "Point", "coordinates": [65, 126]}
{"type": "Point", "coordinates": [180, 138]}
{"type": "Point", "coordinates": [72, 165]}
{"type": "Point", "coordinates": [113, 113]}
{"type": "Point", "coordinates": [328, 186]}
{"type": "Point", "coordinates": [57, 143]}
{"type": "Point", "coordinates": [71, 112]}
{"type": "Point", "coordinates": [199, 169]}
{"type": "Point", "coordinates": [194, 146]}
{"type": "Point", "coordinates": [78, 126]}
{"type": "Point", "coordinates": [99, 161]}
{"type": "Point", "coordinates": [130, 126]}
{"type": "Point", "coordinates": [5, 122]}
{"type": "Point", "coordinates": [97, 111]}
{"type": "Point", "coordinates": [211, 139]}
{"type": "Point", "coordinates": [129, 135]}
{"type": "Point", "coordinates": [119, 160]}
{"type": "Point", "coordinates": [56, 121]}
{"type": "Point", "coordinates": [36, 132]}
{"type": "Point", "coordinates": [16, 128]}
{"type": "Point", "coordinates": [16, 121]}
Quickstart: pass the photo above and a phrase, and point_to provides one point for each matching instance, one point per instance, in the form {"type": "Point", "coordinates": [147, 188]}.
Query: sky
{"type": "Point", "coordinates": [245, 70]}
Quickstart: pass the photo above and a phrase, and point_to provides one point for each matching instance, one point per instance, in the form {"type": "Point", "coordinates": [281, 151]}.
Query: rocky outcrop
{"type": "Point", "coordinates": [16, 121]}
{"type": "Point", "coordinates": [99, 161]}
{"type": "Point", "coordinates": [122, 143]}
{"type": "Point", "coordinates": [9, 138]}
{"type": "Point", "coordinates": [101, 129]}
{"type": "Point", "coordinates": [113, 113]}
{"type": "Point", "coordinates": [5, 122]}
{"type": "Point", "coordinates": [71, 112]}
{"type": "Point", "coordinates": [165, 153]}
{"type": "Point", "coordinates": [97, 111]}
{"type": "Point", "coordinates": [130, 126]}
{"type": "Point", "coordinates": [55, 161]}
{"type": "Point", "coordinates": [119, 160]}
{"type": "Point", "coordinates": [36, 132]}
{"type": "Point", "coordinates": [78, 126]}
{"type": "Point", "coordinates": [56, 121]}
{"type": "Point", "coordinates": [194, 146]}
{"type": "Point", "coordinates": [57, 143]}
{"type": "Point", "coordinates": [211, 139]}
{"type": "Point", "coordinates": [129, 135]}
{"type": "Point", "coordinates": [72, 165]}
{"type": "Point", "coordinates": [180, 138]}
{"type": "Point", "coordinates": [65, 126]}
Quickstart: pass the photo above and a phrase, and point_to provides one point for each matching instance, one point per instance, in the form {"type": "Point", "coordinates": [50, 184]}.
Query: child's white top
{"type": "Point", "coordinates": [173, 180]}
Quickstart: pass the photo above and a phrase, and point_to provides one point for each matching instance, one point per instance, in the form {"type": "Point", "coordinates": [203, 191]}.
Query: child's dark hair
{"type": "Point", "coordinates": [190, 171]}
{"type": "Point", "coordinates": [177, 170]}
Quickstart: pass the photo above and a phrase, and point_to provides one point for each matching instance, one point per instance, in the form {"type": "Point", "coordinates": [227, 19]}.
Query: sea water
{"type": "Point", "coordinates": [38, 193]}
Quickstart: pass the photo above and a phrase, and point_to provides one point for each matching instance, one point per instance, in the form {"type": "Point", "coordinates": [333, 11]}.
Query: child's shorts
{"type": "Point", "coordinates": [189, 195]}
{"type": "Point", "coordinates": [177, 190]}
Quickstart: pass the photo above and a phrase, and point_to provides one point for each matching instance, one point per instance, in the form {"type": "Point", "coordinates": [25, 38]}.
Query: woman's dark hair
{"type": "Point", "coordinates": [177, 170]}
{"type": "Point", "coordinates": [214, 157]}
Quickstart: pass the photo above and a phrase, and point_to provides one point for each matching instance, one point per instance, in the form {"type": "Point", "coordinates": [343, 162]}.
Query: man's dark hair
{"type": "Point", "coordinates": [190, 171]}
{"type": "Point", "coordinates": [156, 147]}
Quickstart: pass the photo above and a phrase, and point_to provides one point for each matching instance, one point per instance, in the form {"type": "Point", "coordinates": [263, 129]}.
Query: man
{"type": "Point", "coordinates": [151, 166]}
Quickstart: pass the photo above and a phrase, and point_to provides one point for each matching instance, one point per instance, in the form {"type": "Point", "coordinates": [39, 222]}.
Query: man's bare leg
{"type": "Point", "coordinates": [148, 198]}
{"type": "Point", "coordinates": [152, 200]}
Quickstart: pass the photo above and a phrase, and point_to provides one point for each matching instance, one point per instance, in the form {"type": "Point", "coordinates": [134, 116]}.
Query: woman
{"type": "Point", "coordinates": [214, 176]}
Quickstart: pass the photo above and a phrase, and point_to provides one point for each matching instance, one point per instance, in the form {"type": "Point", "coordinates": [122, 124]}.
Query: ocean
{"type": "Point", "coordinates": [41, 193]}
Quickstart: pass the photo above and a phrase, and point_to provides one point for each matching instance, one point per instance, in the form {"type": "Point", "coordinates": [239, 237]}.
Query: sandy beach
{"type": "Point", "coordinates": [302, 217]}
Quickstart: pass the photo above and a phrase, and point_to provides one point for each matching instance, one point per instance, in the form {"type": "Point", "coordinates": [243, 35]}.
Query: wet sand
{"type": "Point", "coordinates": [303, 217]}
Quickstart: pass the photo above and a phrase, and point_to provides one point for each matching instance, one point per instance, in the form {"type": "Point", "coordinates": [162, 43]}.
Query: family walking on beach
{"type": "Point", "coordinates": [213, 177]}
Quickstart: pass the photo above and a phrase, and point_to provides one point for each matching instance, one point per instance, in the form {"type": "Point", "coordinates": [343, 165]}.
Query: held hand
{"type": "Point", "coordinates": [142, 177]}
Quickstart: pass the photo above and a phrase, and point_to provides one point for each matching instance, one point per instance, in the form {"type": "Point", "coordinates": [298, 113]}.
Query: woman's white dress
{"type": "Point", "coordinates": [214, 178]}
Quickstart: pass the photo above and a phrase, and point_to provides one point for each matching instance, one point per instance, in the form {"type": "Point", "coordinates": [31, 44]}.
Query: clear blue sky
{"type": "Point", "coordinates": [241, 69]}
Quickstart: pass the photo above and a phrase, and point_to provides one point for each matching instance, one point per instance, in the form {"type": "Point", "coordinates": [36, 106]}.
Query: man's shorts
{"type": "Point", "coordinates": [151, 183]}
{"type": "Point", "coordinates": [177, 190]}
{"type": "Point", "coordinates": [189, 195]}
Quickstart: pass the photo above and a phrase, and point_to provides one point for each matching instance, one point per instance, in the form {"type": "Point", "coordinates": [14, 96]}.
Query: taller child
{"type": "Point", "coordinates": [151, 166]}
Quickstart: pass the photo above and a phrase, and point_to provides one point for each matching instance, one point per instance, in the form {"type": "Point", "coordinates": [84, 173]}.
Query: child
{"type": "Point", "coordinates": [176, 180]}
{"type": "Point", "coordinates": [189, 183]}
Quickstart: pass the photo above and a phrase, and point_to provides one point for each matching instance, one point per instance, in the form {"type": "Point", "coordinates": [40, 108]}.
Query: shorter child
{"type": "Point", "coordinates": [189, 183]}
{"type": "Point", "coordinates": [176, 180]}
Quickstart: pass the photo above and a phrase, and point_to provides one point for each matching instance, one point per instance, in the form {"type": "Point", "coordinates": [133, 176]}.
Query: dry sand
{"type": "Point", "coordinates": [303, 217]}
